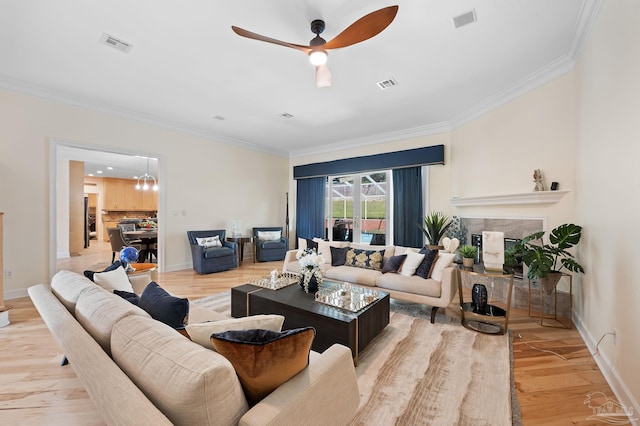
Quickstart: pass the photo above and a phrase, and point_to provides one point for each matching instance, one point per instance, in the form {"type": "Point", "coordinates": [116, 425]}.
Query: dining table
{"type": "Point", "coordinates": [148, 237]}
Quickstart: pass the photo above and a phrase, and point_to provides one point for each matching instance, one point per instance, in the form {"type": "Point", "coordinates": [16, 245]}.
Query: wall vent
{"type": "Point", "coordinates": [286, 115]}
{"type": "Point", "coordinates": [465, 19]}
{"type": "Point", "coordinates": [385, 84]}
{"type": "Point", "coordinates": [116, 43]}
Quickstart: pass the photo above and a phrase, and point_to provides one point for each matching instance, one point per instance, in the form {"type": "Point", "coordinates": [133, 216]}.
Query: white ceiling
{"type": "Point", "coordinates": [109, 164]}
{"type": "Point", "coordinates": [187, 66]}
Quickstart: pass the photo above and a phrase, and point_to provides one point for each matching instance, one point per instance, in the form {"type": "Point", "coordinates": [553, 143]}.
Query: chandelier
{"type": "Point", "coordinates": [147, 181]}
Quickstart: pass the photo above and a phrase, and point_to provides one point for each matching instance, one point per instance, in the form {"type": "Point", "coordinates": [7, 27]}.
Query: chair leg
{"type": "Point", "coordinates": [434, 309]}
{"type": "Point", "coordinates": [113, 256]}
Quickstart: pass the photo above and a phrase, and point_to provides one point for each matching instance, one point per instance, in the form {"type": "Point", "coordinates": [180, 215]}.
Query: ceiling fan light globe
{"type": "Point", "coordinates": [318, 57]}
{"type": "Point", "coordinates": [155, 187]}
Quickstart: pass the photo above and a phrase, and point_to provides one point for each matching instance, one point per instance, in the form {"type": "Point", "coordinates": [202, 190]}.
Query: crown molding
{"type": "Point", "coordinates": [549, 72]}
{"type": "Point", "coordinates": [588, 16]}
{"type": "Point", "coordinates": [38, 91]}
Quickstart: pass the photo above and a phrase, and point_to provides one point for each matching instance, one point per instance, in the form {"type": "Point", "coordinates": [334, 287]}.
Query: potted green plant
{"type": "Point", "coordinates": [469, 254]}
{"type": "Point", "coordinates": [434, 228]}
{"type": "Point", "coordinates": [546, 261]}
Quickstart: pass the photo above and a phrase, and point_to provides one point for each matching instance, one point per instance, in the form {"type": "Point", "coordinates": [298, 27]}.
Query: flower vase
{"type": "Point", "coordinates": [312, 286]}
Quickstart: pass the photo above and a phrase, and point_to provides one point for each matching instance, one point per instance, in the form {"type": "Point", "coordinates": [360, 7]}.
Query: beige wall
{"type": "Point", "coordinates": [205, 184]}
{"type": "Point", "coordinates": [607, 201]}
{"type": "Point", "coordinates": [497, 153]}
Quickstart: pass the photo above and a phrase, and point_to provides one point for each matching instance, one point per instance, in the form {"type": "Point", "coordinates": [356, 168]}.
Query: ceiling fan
{"type": "Point", "coordinates": [363, 29]}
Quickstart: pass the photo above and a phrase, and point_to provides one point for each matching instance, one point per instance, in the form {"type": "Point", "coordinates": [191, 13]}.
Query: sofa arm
{"type": "Point", "coordinates": [324, 393]}
{"type": "Point", "coordinates": [449, 285]}
{"type": "Point", "coordinates": [290, 257]}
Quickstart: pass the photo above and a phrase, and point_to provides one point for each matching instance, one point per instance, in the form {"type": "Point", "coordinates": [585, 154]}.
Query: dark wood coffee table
{"type": "Point", "coordinates": [333, 325]}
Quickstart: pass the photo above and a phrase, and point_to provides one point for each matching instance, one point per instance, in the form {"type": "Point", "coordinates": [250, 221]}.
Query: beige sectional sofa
{"type": "Point", "coordinates": [140, 371]}
{"type": "Point", "coordinates": [430, 291]}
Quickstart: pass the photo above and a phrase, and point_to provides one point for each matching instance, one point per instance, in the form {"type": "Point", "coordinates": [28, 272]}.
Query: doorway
{"type": "Point", "coordinates": [358, 208]}
{"type": "Point", "coordinates": [114, 166]}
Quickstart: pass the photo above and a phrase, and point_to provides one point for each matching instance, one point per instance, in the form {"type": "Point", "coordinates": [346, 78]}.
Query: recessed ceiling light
{"type": "Point", "coordinates": [90, 174]}
{"type": "Point", "coordinates": [135, 177]}
{"type": "Point", "coordinates": [109, 168]}
{"type": "Point", "coordinates": [99, 172]}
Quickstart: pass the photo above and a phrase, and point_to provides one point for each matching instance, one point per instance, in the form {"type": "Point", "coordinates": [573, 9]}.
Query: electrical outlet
{"type": "Point", "coordinates": [8, 274]}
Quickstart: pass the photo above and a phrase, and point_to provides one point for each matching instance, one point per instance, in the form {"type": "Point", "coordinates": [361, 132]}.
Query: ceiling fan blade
{"type": "Point", "coordinates": [323, 76]}
{"type": "Point", "coordinates": [254, 36]}
{"type": "Point", "coordinates": [364, 28]}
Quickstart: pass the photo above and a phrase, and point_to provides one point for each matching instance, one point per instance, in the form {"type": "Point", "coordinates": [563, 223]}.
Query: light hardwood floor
{"type": "Point", "coordinates": [36, 390]}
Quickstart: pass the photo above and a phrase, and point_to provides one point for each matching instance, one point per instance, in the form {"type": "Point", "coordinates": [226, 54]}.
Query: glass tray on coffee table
{"type": "Point", "coordinates": [346, 296]}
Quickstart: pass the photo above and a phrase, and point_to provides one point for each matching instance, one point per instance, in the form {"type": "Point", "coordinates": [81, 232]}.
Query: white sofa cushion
{"type": "Point", "coordinates": [413, 284]}
{"type": "Point", "coordinates": [201, 333]}
{"type": "Point", "coordinates": [98, 310]}
{"type": "Point", "coordinates": [353, 275]}
{"type": "Point", "coordinates": [67, 287]}
{"type": "Point", "coordinates": [191, 385]}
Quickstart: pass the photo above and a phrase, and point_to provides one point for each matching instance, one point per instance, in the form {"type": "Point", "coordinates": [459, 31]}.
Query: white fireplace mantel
{"type": "Point", "coordinates": [538, 197]}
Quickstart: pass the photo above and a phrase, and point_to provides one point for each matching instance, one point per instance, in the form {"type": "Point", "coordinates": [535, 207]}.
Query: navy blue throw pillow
{"type": "Point", "coordinates": [163, 307]}
{"type": "Point", "coordinates": [424, 269]}
{"type": "Point", "coordinates": [311, 244]}
{"type": "Point", "coordinates": [115, 265]}
{"type": "Point", "coordinates": [338, 255]}
{"type": "Point", "coordinates": [394, 263]}
{"type": "Point", "coordinates": [128, 296]}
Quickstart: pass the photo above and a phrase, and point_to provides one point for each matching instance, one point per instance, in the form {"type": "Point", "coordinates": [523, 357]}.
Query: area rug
{"type": "Point", "coordinates": [418, 373]}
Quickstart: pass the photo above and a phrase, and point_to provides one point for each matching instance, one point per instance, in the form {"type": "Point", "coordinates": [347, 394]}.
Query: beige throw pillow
{"type": "Point", "coordinates": [444, 260]}
{"type": "Point", "coordinates": [113, 280]}
{"type": "Point", "coordinates": [411, 263]}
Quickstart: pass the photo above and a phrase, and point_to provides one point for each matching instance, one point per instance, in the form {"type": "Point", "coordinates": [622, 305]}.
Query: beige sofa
{"type": "Point", "coordinates": [432, 292]}
{"type": "Point", "coordinates": [140, 371]}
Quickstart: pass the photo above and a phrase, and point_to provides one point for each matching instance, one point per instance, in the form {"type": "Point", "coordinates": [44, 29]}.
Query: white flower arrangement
{"type": "Point", "coordinates": [310, 262]}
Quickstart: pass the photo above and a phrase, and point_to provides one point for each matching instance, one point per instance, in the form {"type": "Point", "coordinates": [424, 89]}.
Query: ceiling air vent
{"type": "Point", "coordinates": [286, 115]}
{"type": "Point", "coordinates": [116, 43]}
{"type": "Point", "coordinates": [385, 84]}
{"type": "Point", "coordinates": [464, 19]}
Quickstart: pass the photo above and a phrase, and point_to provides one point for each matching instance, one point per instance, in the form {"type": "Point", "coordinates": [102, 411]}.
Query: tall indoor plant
{"type": "Point", "coordinates": [546, 261]}
{"type": "Point", "coordinates": [435, 226]}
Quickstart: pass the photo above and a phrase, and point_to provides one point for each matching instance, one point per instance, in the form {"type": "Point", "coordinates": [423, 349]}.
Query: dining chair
{"type": "Point", "coordinates": [116, 237]}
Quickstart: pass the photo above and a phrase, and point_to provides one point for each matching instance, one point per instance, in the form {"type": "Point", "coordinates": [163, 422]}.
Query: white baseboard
{"type": "Point", "coordinates": [15, 294]}
{"type": "Point", "coordinates": [619, 388]}
{"type": "Point", "coordinates": [63, 255]}
{"type": "Point", "coordinates": [178, 267]}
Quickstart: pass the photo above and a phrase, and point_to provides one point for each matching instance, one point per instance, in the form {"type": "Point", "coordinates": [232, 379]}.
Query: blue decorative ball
{"type": "Point", "coordinates": [128, 255]}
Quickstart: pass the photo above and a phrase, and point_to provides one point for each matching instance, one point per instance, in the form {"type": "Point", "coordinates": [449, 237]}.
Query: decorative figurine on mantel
{"type": "Point", "coordinates": [537, 178]}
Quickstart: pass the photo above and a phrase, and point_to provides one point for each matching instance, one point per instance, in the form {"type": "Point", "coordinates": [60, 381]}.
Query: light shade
{"type": "Point", "coordinates": [318, 57]}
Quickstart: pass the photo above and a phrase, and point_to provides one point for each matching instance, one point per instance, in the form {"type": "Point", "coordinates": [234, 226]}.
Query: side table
{"type": "Point", "coordinates": [490, 319]}
{"type": "Point", "coordinates": [557, 322]}
{"type": "Point", "coordinates": [145, 268]}
{"type": "Point", "coordinates": [241, 240]}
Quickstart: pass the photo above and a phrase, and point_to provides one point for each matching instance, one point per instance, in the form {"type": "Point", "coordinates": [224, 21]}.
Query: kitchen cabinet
{"type": "Point", "coordinates": [150, 200]}
{"type": "Point", "coordinates": [121, 195]}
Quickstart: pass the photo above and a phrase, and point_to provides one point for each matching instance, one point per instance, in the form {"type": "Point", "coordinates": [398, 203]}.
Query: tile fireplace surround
{"type": "Point", "coordinates": [517, 228]}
